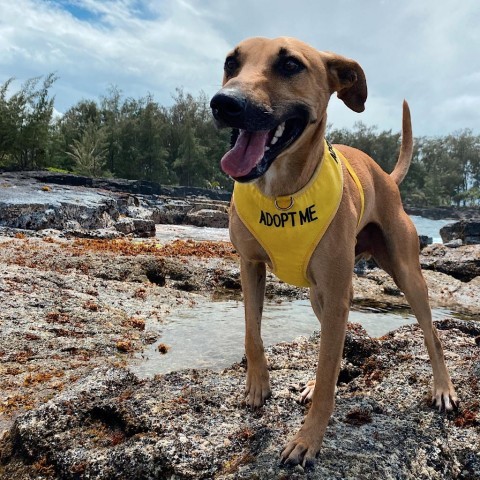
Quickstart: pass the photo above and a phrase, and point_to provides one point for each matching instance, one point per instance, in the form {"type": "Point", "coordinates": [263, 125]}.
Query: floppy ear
{"type": "Point", "coordinates": [347, 78]}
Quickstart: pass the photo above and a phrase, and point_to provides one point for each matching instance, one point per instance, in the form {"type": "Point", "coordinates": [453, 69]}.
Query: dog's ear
{"type": "Point", "coordinates": [347, 78]}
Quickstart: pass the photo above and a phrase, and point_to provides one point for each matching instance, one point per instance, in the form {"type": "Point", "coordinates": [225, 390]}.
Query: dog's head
{"type": "Point", "coordinates": [273, 90]}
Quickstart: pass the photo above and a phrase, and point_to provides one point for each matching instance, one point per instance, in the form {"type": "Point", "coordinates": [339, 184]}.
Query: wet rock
{"type": "Point", "coordinates": [359, 346]}
{"type": "Point", "coordinates": [468, 231]}
{"type": "Point", "coordinates": [192, 424]}
{"type": "Point", "coordinates": [229, 280]}
{"type": "Point", "coordinates": [462, 262]}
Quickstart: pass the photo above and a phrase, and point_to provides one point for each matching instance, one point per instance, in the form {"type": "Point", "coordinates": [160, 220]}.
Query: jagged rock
{"type": "Point", "coordinates": [208, 218]}
{"type": "Point", "coordinates": [171, 211]}
{"type": "Point", "coordinates": [135, 187]}
{"type": "Point", "coordinates": [192, 424]}
{"type": "Point", "coordinates": [440, 213]}
{"type": "Point", "coordinates": [462, 262]}
{"type": "Point", "coordinates": [84, 205]}
{"type": "Point", "coordinates": [136, 226]}
{"type": "Point", "coordinates": [454, 243]}
{"type": "Point", "coordinates": [424, 240]}
{"type": "Point", "coordinates": [59, 215]}
{"type": "Point", "coordinates": [26, 204]}
{"type": "Point", "coordinates": [468, 231]}
{"type": "Point", "coordinates": [69, 306]}
{"type": "Point", "coordinates": [94, 234]}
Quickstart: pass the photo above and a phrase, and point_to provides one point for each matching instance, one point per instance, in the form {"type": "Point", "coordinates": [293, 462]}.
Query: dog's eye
{"type": "Point", "coordinates": [231, 64]}
{"type": "Point", "coordinates": [290, 66]}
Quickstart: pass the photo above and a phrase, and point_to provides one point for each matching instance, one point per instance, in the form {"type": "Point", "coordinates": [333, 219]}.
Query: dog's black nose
{"type": "Point", "coordinates": [228, 107]}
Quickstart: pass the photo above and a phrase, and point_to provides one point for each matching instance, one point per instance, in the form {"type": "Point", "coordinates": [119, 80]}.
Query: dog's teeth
{"type": "Point", "coordinates": [279, 131]}
{"type": "Point", "coordinates": [267, 148]}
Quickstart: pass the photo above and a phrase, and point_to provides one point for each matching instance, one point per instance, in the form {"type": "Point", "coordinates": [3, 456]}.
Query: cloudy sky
{"type": "Point", "coordinates": [427, 51]}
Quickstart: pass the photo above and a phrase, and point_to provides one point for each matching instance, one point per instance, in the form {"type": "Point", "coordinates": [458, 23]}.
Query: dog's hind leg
{"type": "Point", "coordinates": [397, 251]}
{"type": "Point", "coordinates": [253, 275]}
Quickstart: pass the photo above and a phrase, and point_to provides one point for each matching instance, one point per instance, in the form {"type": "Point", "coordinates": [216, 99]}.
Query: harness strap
{"type": "Point", "coordinates": [354, 176]}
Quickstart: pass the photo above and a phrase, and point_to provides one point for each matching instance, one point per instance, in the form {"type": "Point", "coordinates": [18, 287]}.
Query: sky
{"type": "Point", "coordinates": [426, 51]}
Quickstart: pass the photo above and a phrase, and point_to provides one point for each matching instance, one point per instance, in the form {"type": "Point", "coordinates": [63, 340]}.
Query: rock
{"type": "Point", "coordinates": [454, 243]}
{"type": "Point", "coordinates": [440, 213]}
{"type": "Point", "coordinates": [208, 218]}
{"type": "Point", "coordinates": [34, 215]}
{"type": "Point", "coordinates": [466, 230]}
{"type": "Point", "coordinates": [26, 204]}
{"type": "Point", "coordinates": [358, 345]}
{"type": "Point", "coordinates": [85, 204]}
{"type": "Point", "coordinates": [424, 241]}
{"type": "Point", "coordinates": [94, 234]}
{"type": "Point", "coordinates": [192, 424]}
{"type": "Point", "coordinates": [136, 226]}
{"type": "Point", "coordinates": [462, 262]}
{"type": "Point", "coordinates": [171, 211]}
{"type": "Point", "coordinates": [135, 187]}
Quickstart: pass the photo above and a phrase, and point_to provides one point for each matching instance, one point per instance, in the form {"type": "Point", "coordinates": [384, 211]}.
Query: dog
{"type": "Point", "coordinates": [274, 96]}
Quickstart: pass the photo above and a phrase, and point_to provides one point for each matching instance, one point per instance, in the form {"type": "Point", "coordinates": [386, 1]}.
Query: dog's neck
{"type": "Point", "coordinates": [290, 172]}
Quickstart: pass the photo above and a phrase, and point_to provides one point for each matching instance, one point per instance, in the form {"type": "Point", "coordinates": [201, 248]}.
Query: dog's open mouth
{"type": "Point", "coordinates": [252, 153]}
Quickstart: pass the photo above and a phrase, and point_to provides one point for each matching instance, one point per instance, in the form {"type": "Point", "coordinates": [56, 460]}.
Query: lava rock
{"type": "Point", "coordinates": [466, 230]}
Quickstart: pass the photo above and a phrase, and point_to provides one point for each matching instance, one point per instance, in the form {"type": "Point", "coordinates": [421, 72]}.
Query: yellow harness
{"type": "Point", "coordinates": [289, 228]}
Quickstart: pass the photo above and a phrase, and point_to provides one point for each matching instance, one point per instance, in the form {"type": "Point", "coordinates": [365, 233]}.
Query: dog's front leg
{"type": "Point", "coordinates": [253, 284]}
{"type": "Point", "coordinates": [332, 310]}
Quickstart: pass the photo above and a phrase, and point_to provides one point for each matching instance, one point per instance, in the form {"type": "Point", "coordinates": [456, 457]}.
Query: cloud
{"type": "Point", "coordinates": [155, 54]}
{"type": "Point", "coordinates": [424, 51]}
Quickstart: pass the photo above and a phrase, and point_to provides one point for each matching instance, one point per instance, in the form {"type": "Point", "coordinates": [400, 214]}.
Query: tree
{"type": "Point", "coordinates": [449, 164]}
{"type": "Point", "coordinates": [70, 127]}
{"type": "Point", "coordinates": [111, 114]}
{"type": "Point", "coordinates": [195, 146]}
{"type": "Point", "coordinates": [89, 152]}
{"type": "Point", "coordinates": [25, 123]}
{"type": "Point", "coordinates": [140, 139]}
{"type": "Point", "coordinates": [142, 148]}
{"type": "Point", "coordinates": [191, 162]}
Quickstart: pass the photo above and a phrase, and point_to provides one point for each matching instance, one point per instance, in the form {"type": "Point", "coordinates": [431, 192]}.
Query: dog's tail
{"type": "Point", "coordinates": [406, 149]}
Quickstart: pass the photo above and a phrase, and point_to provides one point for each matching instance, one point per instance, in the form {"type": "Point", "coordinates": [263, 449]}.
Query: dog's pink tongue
{"type": "Point", "coordinates": [246, 153]}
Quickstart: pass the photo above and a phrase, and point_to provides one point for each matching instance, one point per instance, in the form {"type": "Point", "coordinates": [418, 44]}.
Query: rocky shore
{"type": "Point", "coordinates": [77, 312]}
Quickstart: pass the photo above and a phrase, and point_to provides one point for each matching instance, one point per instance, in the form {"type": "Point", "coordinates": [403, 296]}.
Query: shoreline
{"type": "Point", "coordinates": [75, 311]}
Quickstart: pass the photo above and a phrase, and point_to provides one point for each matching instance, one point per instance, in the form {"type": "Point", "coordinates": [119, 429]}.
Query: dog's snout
{"type": "Point", "coordinates": [228, 106]}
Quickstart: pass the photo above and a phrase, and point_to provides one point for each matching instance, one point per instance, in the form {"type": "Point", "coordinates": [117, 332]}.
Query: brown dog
{"type": "Point", "coordinates": [275, 93]}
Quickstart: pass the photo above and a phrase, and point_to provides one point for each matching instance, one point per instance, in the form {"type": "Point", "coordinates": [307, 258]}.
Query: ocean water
{"type": "Point", "coordinates": [166, 233]}
{"type": "Point", "coordinates": [431, 228]}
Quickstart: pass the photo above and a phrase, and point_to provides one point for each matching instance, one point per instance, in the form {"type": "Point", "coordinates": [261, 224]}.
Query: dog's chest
{"type": "Point", "coordinates": [289, 228]}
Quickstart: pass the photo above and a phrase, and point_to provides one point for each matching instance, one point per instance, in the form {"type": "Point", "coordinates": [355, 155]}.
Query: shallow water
{"type": "Point", "coordinates": [211, 335]}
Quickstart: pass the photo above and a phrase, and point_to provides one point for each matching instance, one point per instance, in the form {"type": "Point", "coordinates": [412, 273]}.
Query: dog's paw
{"type": "Point", "coordinates": [307, 392]}
{"type": "Point", "coordinates": [445, 399]}
{"type": "Point", "coordinates": [257, 389]}
{"type": "Point", "coordinates": [302, 449]}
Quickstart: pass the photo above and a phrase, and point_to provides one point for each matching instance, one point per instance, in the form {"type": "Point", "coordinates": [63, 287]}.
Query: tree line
{"type": "Point", "coordinates": [179, 145]}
